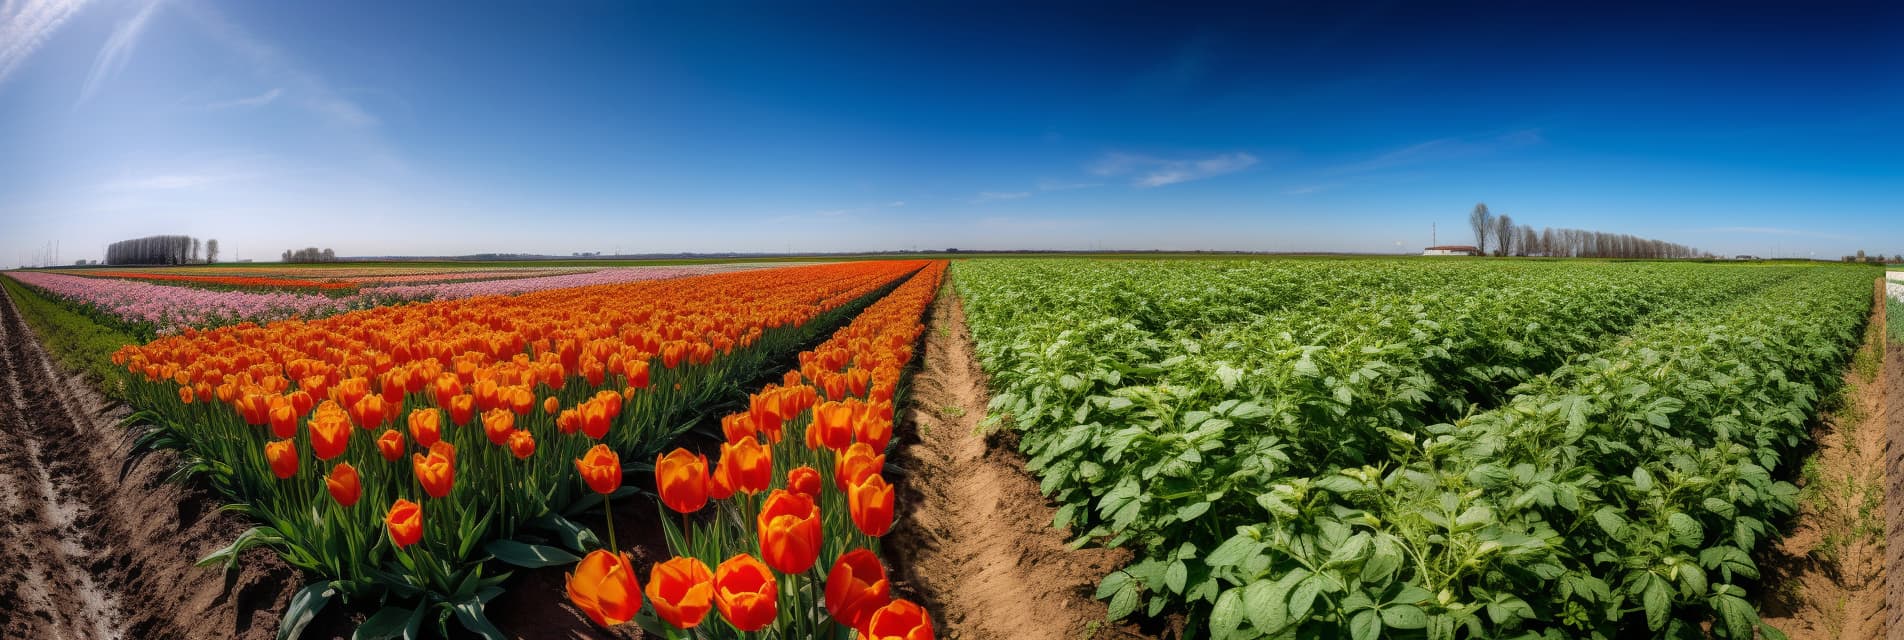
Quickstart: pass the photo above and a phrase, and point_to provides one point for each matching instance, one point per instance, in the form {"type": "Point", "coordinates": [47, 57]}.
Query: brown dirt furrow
{"type": "Point", "coordinates": [975, 543]}
{"type": "Point", "coordinates": [95, 548]}
{"type": "Point", "coordinates": [1827, 580]}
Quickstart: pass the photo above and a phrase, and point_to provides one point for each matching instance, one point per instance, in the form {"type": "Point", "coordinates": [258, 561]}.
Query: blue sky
{"type": "Point", "coordinates": [451, 128]}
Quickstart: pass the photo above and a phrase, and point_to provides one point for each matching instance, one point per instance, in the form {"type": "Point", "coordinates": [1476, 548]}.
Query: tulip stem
{"type": "Point", "coordinates": [608, 510]}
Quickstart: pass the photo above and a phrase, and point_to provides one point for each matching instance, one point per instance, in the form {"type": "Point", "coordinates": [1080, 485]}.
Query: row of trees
{"type": "Point", "coordinates": [1510, 239]}
{"type": "Point", "coordinates": [310, 254]}
{"type": "Point", "coordinates": [1877, 258]}
{"type": "Point", "coordinates": [161, 250]}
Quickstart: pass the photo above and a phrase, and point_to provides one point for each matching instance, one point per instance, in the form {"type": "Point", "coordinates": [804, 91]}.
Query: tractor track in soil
{"type": "Point", "coordinates": [94, 547]}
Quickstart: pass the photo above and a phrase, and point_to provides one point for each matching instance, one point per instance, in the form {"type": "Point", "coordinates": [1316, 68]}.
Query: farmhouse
{"type": "Point", "coordinates": [1451, 250]}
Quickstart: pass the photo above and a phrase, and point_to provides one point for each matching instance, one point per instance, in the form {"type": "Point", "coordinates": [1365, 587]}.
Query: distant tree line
{"type": "Point", "coordinates": [310, 254]}
{"type": "Point", "coordinates": [1510, 239]}
{"type": "Point", "coordinates": [1877, 258]}
{"type": "Point", "coordinates": [161, 250]}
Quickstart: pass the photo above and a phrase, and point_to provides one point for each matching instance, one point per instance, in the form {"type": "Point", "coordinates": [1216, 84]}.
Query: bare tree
{"type": "Point", "coordinates": [211, 251]}
{"type": "Point", "coordinates": [1503, 235]}
{"type": "Point", "coordinates": [1483, 223]}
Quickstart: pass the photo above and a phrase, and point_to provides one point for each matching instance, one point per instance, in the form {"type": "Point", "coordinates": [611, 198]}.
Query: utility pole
{"type": "Point", "coordinates": [1434, 236]}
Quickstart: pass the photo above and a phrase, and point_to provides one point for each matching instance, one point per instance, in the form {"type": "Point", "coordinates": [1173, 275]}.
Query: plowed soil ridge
{"type": "Point", "coordinates": [975, 543]}
{"type": "Point", "coordinates": [90, 554]}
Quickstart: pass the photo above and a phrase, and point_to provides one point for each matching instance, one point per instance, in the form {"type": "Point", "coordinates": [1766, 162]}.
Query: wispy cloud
{"type": "Point", "coordinates": [1055, 185]}
{"type": "Point", "coordinates": [26, 24]}
{"type": "Point", "coordinates": [995, 196]}
{"type": "Point", "coordinates": [304, 88]}
{"type": "Point", "coordinates": [1147, 171]}
{"type": "Point", "coordinates": [1309, 189]}
{"type": "Point", "coordinates": [259, 100]}
{"type": "Point", "coordinates": [1779, 231]}
{"type": "Point", "coordinates": [112, 57]}
{"type": "Point", "coordinates": [1441, 150]}
{"type": "Point", "coordinates": [169, 182]}
{"type": "Point", "coordinates": [896, 203]}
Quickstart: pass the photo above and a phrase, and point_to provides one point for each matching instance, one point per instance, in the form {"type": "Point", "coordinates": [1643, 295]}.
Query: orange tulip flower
{"type": "Point", "coordinates": [789, 528]}
{"type": "Point", "coordinates": [300, 401]}
{"type": "Point", "coordinates": [436, 472]}
{"type": "Point", "coordinates": [871, 429]}
{"type": "Point", "coordinates": [859, 461]}
{"type": "Point", "coordinates": [834, 420]}
{"type": "Point", "coordinates": [899, 620]}
{"type": "Point", "coordinates": [871, 504]}
{"type": "Point", "coordinates": [462, 407]}
{"type": "Point", "coordinates": [682, 590]}
{"type": "Point", "coordinates": [856, 587]}
{"type": "Point", "coordinates": [600, 469]}
{"type": "Point", "coordinates": [858, 380]}
{"type": "Point", "coordinates": [521, 400]}
{"type": "Point", "coordinates": [370, 411]}
{"type": "Point", "coordinates": [426, 426]}
{"type": "Point", "coordinates": [497, 423]}
{"type": "Point", "coordinates": [681, 478]}
{"type": "Point", "coordinates": [595, 418]}
{"type": "Point", "coordinates": [745, 592]}
{"type": "Point", "coordinates": [719, 485]}
{"type": "Point", "coordinates": [344, 484]}
{"type": "Point", "coordinates": [185, 395]}
{"type": "Point", "coordinates": [749, 466]}
{"type": "Point", "coordinates": [604, 587]}
{"type": "Point", "coordinates": [330, 431]}
{"type": "Point", "coordinates": [405, 522]}
{"type": "Point", "coordinates": [390, 444]}
{"type": "Point", "coordinates": [638, 375]}
{"type": "Point", "coordinates": [737, 426]}
{"type": "Point", "coordinates": [284, 419]}
{"type": "Point", "coordinates": [550, 405]}
{"type": "Point", "coordinates": [521, 444]}
{"type": "Point", "coordinates": [283, 456]}
{"type": "Point", "coordinates": [804, 480]}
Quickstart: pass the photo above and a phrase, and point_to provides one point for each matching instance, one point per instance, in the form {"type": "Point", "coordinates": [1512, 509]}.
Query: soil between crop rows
{"type": "Point", "coordinates": [96, 548]}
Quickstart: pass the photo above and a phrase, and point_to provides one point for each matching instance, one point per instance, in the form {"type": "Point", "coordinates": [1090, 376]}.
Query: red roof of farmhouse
{"type": "Point", "coordinates": [1451, 247]}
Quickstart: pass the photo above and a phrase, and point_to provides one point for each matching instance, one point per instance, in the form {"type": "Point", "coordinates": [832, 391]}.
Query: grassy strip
{"type": "Point", "coordinates": [77, 342]}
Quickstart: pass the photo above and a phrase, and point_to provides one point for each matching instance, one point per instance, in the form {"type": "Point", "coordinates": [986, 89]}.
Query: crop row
{"type": "Point", "coordinates": [1169, 436]}
{"type": "Point", "coordinates": [393, 452]}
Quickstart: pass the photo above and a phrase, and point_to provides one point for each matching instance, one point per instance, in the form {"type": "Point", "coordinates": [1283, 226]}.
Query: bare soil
{"type": "Point", "coordinates": [974, 543]}
{"type": "Point", "coordinates": [96, 547]}
{"type": "Point", "coordinates": [1827, 579]}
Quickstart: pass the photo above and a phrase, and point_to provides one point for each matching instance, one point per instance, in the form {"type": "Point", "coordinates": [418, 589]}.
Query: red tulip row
{"type": "Point", "coordinates": [271, 415]}
{"type": "Point", "coordinates": [777, 522]}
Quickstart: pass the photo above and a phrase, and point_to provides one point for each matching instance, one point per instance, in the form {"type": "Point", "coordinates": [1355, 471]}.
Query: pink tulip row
{"type": "Point", "coordinates": [169, 308]}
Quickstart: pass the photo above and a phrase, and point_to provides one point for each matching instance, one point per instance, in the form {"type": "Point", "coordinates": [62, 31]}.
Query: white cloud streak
{"type": "Point", "coordinates": [259, 100]}
{"type": "Point", "coordinates": [27, 24]}
{"type": "Point", "coordinates": [112, 57]}
{"type": "Point", "coordinates": [1151, 171]}
{"type": "Point", "coordinates": [996, 196]}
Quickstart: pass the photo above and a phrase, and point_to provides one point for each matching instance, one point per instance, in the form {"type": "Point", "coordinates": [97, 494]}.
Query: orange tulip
{"type": "Point", "coordinates": [521, 400]}
{"type": "Point", "coordinates": [405, 522]}
{"type": "Point", "coordinates": [595, 418]}
{"type": "Point", "coordinates": [898, 620]}
{"type": "Point", "coordinates": [745, 592]}
{"type": "Point", "coordinates": [871, 429]}
{"type": "Point", "coordinates": [604, 587]}
{"type": "Point", "coordinates": [436, 472]}
{"type": "Point", "coordinates": [856, 587]}
{"type": "Point", "coordinates": [719, 486]}
{"type": "Point", "coordinates": [737, 426]}
{"type": "Point", "coordinates": [682, 590]}
{"type": "Point", "coordinates": [681, 478]}
{"type": "Point", "coordinates": [344, 484]}
{"type": "Point", "coordinates": [550, 405]}
{"type": "Point", "coordinates": [638, 375]}
{"type": "Point", "coordinates": [426, 426]}
{"type": "Point", "coordinates": [284, 419]}
{"type": "Point", "coordinates": [283, 456]}
{"type": "Point", "coordinates": [330, 431]}
{"type": "Point", "coordinates": [390, 444]}
{"type": "Point", "coordinates": [834, 420]}
{"type": "Point", "coordinates": [789, 527]}
{"type": "Point", "coordinates": [300, 401]}
{"type": "Point", "coordinates": [185, 395]}
{"type": "Point", "coordinates": [370, 411]}
{"type": "Point", "coordinates": [462, 408]}
{"type": "Point", "coordinates": [600, 469]}
{"type": "Point", "coordinates": [871, 504]}
{"type": "Point", "coordinates": [859, 461]}
{"type": "Point", "coordinates": [804, 480]}
{"type": "Point", "coordinates": [858, 380]}
{"type": "Point", "coordinates": [749, 466]}
{"type": "Point", "coordinates": [521, 444]}
{"type": "Point", "coordinates": [497, 423]}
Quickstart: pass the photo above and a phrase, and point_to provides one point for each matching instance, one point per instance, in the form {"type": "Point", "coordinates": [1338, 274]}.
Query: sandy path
{"type": "Point", "coordinates": [975, 544]}
{"type": "Point", "coordinates": [1827, 579]}
{"type": "Point", "coordinates": [93, 548]}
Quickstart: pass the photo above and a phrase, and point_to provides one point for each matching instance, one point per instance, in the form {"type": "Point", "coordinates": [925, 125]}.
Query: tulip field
{"type": "Point", "coordinates": [1275, 448]}
{"type": "Point", "coordinates": [1450, 450]}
